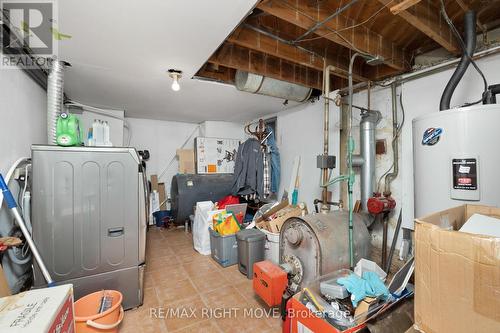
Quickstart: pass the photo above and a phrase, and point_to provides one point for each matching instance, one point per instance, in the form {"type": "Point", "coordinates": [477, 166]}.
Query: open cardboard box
{"type": "Point", "coordinates": [457, 274]}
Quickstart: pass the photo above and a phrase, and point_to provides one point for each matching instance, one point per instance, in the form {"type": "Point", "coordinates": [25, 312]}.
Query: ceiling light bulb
{"type": "Point", "coordinates": [175, 74]}
{"type": "Point", "coordinates": [175, 84]}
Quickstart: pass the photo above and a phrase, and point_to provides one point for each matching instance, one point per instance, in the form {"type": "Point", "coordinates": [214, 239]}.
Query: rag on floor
{"type": "Point", "coordinates": [369, 284]}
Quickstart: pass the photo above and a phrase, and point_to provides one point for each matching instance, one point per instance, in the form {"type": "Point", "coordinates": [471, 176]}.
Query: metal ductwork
{"type": "Point", "coordinates": [470, 45]}
{"type": "Point", "coordinates": [366, 159]}
{"type": "Point", "coordinates": [258, 84]}
{"type": "Point", "coordinates": [55, 98]}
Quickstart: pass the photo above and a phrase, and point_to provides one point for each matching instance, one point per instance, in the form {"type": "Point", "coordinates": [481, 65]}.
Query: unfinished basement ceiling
{"type": "Point", "coordinates": [291, 39]}
{"type": "Point", "coordinates": [120, 52]}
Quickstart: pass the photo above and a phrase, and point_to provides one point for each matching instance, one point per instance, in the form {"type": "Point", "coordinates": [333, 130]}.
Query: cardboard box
{"type": "Point", "coordinates": [48, 310]}
{"type": "Point", "coordinates": [154, 183]}
{"type": "Point", "coordinates": [162, 196]}
{"type": "Point", "coordinates": [186, 160]}
{"type": "Point", "coordinates": [457, 274]}
{"type": "Point", "coordinates": [4, 286]}
{"type": "Point", "coordinates": [274, 225]}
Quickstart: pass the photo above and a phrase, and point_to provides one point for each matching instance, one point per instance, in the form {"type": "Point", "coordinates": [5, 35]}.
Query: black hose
{"type": "Point", "coordinates": [470, 42]}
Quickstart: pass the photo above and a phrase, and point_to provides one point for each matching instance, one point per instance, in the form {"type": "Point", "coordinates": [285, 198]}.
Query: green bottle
{"type": "Point", "coordinates": [68, 130]}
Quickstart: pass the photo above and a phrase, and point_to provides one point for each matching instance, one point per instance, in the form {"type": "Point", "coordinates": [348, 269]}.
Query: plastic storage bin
{"type": "Point", "coordinates": [224, 248]}
{"type": "Point", "coordinates": [250, 250]}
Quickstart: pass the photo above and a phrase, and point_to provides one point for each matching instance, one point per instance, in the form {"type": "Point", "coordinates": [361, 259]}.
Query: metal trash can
{"type": "Point", "coordinates": [250, 250]}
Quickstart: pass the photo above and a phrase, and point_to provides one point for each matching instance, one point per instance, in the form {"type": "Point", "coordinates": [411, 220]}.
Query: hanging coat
{"type": "Point", "coordinates": [249, 169]}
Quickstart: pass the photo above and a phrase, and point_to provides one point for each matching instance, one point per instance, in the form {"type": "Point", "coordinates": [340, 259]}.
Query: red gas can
{"type": "Point", "coordinates": [269, 282]}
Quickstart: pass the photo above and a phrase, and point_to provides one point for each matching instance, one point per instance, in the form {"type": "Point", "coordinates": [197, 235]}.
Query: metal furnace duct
{"type": "Point", "coordinates": [318, 244]}
{"type": "Point", "coordinates": [366, 159]}
{"type": "Point", "coordinates": [258, 84]}
{"type": "Point", "coordinates": [55, 95]}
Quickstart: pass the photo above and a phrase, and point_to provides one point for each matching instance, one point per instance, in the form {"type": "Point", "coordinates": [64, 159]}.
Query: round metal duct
{"type": "Point", "coordinates": [258, 84]}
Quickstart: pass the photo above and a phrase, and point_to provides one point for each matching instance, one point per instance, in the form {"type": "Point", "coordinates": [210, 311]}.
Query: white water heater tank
{"type": "Point", "coordinates": [457, 158]}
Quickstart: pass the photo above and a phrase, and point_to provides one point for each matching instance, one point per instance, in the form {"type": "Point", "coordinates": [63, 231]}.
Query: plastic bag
{"type": "Point", "coordinates": [228, 200]}
{"type": "Point", "coordinates": [225, 223]}
{"type": "Point", "coordinates": [202, 220]}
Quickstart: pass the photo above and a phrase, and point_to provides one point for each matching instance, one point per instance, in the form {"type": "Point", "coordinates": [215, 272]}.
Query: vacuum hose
{"type": "Point", "coordinates": [470, 43]}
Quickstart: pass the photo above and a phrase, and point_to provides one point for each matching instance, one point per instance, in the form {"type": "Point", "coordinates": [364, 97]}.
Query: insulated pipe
{"type": "Point", "coordinates": [366, 159]}
{"type": "Point", "coordinates": [470, 45]}
{"type": "Point", "coordinates": [325, 207]}
{"type": "Point", "coordinates": [395, 146]}
{"type": "Point", "coordinates": [55, 94]}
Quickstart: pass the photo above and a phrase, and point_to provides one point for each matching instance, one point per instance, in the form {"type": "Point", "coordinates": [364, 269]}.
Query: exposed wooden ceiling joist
{"type": "Point", "coordinates": [217, 73]}
{"type": "Point", "coordinates": [426, 18]}
{"type": "Point", "coordinates": [341, 30]}
{"type": "Point", "coordinates": [253, 39]}
{"type": "Point", "coordinates": [237, 57]}
{"type": "Point", "coordinates": [403, 5]}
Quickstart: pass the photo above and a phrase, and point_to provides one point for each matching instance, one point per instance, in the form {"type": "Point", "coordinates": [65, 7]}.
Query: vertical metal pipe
{"type": "Point", "coordinates": [325, 207]}
{"type": "Point", "coordinates": [395, 146]}
{"type": "Point", "coordinates": [368, 125]}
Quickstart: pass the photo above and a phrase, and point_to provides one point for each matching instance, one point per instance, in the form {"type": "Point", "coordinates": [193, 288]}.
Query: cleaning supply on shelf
{"type": "Point", "coordinates": [68, 130]}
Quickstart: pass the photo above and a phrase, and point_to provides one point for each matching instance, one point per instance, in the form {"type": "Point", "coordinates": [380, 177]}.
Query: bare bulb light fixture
{"type": "Point", "coordinates": [175, 75]}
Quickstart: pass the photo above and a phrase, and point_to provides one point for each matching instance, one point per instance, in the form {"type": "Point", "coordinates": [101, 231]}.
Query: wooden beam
{"type": "Point", "coordinates": [428, 20]}
{"type": "Point", "coordinates": [217, 73]}
{"type": "Point", "coordinates": [257, 41]}
{"type": "Point", "coordinates": [403, 5]}
{"type": "Point", "coordinates": [306, 15]}
{"type": "Point", "coordinates": [237, 57]}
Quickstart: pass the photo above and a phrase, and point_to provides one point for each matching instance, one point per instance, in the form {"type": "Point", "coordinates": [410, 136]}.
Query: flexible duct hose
{"type": "Point", "coordinates": [470, 43]}
{"type": "Point", "coordinates": [55, 93]}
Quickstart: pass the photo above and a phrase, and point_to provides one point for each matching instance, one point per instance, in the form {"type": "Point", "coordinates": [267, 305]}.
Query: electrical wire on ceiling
{"type": "Point", "coordinates": [332, 31]}
{"type": "Point", "coordinates": [464, 50]}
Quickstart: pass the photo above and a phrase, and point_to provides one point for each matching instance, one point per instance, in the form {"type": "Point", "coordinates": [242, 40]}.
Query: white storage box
{"type": "Point", "coordinates": [48, 310]}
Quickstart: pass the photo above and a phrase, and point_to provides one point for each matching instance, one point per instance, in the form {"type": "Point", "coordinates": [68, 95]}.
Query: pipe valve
{"type": "Point", "coordinates": [380, 204]}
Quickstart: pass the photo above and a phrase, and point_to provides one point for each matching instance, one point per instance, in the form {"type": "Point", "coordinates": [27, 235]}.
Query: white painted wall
{"type": "Point", "coordinates": [300, 133]}
{"type": "Point", "coordinates": [23, 114]}
{"type": "Point", "coordinates": [24, 119]}
{"type": "Point", "coordinates": [163, 138]}
{"type": "Point", "coordinates": [222, 129]}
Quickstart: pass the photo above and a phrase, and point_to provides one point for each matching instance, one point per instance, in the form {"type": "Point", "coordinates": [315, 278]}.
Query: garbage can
{"type": "Point", "coordinates": [250, 250]}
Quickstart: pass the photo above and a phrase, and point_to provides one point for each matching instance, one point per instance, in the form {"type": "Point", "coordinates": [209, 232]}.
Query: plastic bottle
{"type": "Point", "coordinates": [107, 141]}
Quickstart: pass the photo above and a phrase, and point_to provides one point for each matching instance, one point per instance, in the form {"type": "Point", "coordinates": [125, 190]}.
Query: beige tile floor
{"type": "Point", "coordinates": [177, 277]}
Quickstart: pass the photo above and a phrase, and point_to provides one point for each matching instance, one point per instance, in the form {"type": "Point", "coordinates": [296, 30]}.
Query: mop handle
{"type": "Point", "coordinates": [11, 203]}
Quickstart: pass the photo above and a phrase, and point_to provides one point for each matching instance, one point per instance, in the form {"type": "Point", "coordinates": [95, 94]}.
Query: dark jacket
{"type": "Point", "coordinates": [249, 169]}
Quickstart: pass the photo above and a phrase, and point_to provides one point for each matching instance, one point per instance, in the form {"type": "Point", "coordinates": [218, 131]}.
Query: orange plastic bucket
{"type": "Point", "coordinates": [87, 318]}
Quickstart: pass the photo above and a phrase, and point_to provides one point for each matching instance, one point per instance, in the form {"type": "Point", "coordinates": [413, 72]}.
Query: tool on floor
{"type": "Point", "coordinates": [11, 203]}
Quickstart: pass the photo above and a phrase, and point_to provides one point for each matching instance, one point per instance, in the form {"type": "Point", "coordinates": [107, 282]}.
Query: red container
{"type": "Point", "coordinates": [269, 282]}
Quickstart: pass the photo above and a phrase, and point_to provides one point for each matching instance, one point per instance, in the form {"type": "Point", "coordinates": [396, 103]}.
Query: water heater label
{"type": "Point", "coordinates": [464, 173]}
{"type": "Point", "coordinates": [431, 136]}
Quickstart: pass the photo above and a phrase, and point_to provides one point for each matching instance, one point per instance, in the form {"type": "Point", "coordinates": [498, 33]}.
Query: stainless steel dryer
{"type": "Point", "coordinates": [89, 218]}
